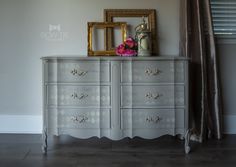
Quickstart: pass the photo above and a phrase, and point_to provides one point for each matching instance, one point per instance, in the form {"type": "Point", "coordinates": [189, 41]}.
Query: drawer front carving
{"type": "Point", "coordinates": [150, 96]}
{"type": "Point", "coordinates": [84, 71]}
{"type": "Point", "coordinates": [148, 118]}
{"type": "Point", "coordinates": [79, 95]}
{"type": "Point", "coordinates": [83, 118]}
{"type": "Point", "coordinates": [152, 72]}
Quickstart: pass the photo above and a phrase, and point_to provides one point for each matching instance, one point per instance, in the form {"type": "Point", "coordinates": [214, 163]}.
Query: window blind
{"type": "Point", "coordinates": [224, 18]}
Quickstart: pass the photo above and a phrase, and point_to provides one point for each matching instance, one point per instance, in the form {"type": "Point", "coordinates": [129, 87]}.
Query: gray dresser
{"type": "Point", "coordinates": [115, 97]}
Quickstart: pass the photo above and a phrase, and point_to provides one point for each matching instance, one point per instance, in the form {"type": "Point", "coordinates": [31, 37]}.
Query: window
{"type": "Point", "coordinates": [224, 18]}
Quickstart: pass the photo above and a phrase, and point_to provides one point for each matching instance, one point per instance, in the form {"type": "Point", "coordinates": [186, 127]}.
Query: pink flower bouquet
{"type": "Point", "coordinates": [128, 48]}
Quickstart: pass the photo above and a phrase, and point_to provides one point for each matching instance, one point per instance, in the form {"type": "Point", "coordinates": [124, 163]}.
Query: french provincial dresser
{"type": "Point", "coordinates": [115, 97]}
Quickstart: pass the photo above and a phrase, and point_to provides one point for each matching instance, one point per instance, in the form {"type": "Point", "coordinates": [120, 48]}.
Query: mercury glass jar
{"type": "Point", "coordinates": [143, 37]}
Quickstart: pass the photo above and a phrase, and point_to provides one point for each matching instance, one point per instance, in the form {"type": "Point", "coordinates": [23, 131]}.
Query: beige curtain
{"type": "Point", "coordinates": [197, 43]}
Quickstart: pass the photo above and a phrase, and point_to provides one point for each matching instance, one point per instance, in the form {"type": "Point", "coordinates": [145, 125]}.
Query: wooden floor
{"type": "Point", "coordinates": [65, 151]}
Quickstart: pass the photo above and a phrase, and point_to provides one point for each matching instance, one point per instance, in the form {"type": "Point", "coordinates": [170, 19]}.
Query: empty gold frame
{"type": "Point", "coordinates": [150, 14]}
{"type": "Point", "coordinates": [104, 25]}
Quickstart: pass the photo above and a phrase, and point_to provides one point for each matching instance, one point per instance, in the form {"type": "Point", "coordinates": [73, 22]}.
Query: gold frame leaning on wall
{"type": "Point", "coordinates": [110, 14]}
{"type": "Point", "coordinates": [104, 25]}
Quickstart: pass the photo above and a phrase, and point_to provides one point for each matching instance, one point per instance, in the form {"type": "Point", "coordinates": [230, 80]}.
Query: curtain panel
{"type": "Point", "coordinates": [197, 42]}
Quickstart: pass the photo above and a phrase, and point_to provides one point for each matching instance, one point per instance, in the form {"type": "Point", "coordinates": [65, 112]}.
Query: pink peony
{"type": "Point", "coordinates": [130, 42]}
{"type": "Point", "coordinates": [120, 49]}
{"type": "Point", "coordinates": [128, 48]}
{"type": "Point", "coordinates": [130, 52]}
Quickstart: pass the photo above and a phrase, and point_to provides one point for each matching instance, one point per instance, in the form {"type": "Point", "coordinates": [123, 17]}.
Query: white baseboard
{"type": "Point", "coordinates": [31, 124]}
{"type": "Point", "coordinates": [230, 124]}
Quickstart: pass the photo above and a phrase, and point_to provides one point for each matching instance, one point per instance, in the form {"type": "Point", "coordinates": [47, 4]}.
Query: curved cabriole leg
{"type": "Point", "coordinates": [44, 138]}
{"type": "Point", "coordinates": [187, 139]}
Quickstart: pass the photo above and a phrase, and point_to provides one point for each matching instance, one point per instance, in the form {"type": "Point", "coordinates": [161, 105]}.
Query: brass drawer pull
{"type": "Point", "coordinates": [153, 96]}
{"type": "Point", "coordinates": [79, 118]}
{"type": "Point", "coordinates": [78, 72]}
{"type": "Point", "coordinates": [76, 96]}
{"type": "Point", "coordinates": [153, 119]}
{"type": "Point", "coordinates": [153, 72]}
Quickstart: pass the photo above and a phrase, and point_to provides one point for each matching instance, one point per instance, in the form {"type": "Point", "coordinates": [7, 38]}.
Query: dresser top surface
{"type": "Point", "coordinates": [114, 58]}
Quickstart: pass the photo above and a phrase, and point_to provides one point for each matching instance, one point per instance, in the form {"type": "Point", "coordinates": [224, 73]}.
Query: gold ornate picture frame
{"type": "Point", "coordinates": [110, 14]}
{"type": "Point", "coordinates": [105, 26]}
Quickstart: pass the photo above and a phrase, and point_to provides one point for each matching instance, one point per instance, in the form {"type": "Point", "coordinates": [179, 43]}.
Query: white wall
{"type": "Point", "coordinates": [23, 25]}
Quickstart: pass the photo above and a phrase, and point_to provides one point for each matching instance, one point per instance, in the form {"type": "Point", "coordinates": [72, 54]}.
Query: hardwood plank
{"type": "Point", "coordinates": [65, 151]}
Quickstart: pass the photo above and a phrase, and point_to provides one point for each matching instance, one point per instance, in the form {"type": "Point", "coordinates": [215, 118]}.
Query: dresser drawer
{"type": "Point", "coordinates": [148, 118]}
{"type": "Point", "coordinates": [80, 118]}
{"type": "Point", "coordinates": [83, 96]}
{"type": "Point", "coordinates": [153, 71]}
{"type": "Point", "coordinates": [152, 96]}
{"type": "Point", "coordinates": [81, 71]}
